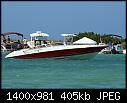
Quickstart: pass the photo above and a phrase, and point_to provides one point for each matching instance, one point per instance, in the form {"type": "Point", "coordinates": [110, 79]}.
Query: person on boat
{"type": "Point", "coordinates": [25, 42]}
{"type": "Point", "coordinates": [19, 46]}
{"type": "Point", "coordinates": [44, 42]}
{"type": "Point", "coordinates": [113, 51]}
{"type": "Point", "coordinates": [35, 43]}
{"type": "Point", "coordinates": [4, 40]}
{"type": "Point", "coordinates": [8, 39]}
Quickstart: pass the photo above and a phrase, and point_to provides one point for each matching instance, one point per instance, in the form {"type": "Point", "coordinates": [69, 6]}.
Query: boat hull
{"type": "Point", "coordinates": [75, 52]}
{"type": "Point", "coordinates": [86, 56]}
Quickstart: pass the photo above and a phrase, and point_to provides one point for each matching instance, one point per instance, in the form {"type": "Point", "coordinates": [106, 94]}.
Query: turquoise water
{"type": "Point", "coordinates": [103, 71]}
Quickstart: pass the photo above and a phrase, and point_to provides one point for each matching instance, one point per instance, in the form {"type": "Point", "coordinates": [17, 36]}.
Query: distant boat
{"type": "Point", "coordinates": [39, 48]}
{"type": "Point", "coordinates": [113, 48]}
{"type": "Point", "coordinates": [9, 46]}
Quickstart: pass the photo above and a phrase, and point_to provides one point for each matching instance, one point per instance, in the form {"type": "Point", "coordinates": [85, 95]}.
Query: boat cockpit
{"type": "Point", "coordinates": [38, 40]}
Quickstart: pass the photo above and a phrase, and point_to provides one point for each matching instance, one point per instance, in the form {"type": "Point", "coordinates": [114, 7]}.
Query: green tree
{"type": "Point", "coordinates": [94, 36]}
{"type": "Point", "coordinates": [124, 45]}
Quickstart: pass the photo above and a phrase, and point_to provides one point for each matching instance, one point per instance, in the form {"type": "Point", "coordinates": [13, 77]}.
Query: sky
{"type": "Point", "coordinates": [58, 17]}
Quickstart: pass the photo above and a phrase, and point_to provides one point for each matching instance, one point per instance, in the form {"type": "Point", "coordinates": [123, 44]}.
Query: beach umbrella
{"type": "Point", "coordinates": [85, 40]}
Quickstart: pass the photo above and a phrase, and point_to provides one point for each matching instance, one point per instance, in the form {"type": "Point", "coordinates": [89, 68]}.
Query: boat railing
{"type": "Point", "coordinates": [30, 51]}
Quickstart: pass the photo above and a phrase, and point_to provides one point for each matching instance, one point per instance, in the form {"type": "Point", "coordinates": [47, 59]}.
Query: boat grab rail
{"type": "Point", "coordinates": [27, 51]}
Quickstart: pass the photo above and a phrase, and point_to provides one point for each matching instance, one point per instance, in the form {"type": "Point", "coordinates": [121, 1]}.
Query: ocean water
{"type": "Point", "coordinates": [101, 72]}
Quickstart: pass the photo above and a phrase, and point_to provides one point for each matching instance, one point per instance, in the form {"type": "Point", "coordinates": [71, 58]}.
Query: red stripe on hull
{"type": "Point", "coordinates": [61, 53]}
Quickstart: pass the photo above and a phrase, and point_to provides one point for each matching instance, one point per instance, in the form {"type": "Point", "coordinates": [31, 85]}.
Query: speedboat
{"type": "Point", "coordinates": [40, 48]}
{"type": "Point", "coordinates": [113, 47]}
{"type": "Point", "coordinates": [7, 44]}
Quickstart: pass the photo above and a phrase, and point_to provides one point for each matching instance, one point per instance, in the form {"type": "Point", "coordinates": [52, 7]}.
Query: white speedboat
{"type": "Point", "coordinates": [84, 48]}
{"type": "Point", "coordinates": [9, 45]}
